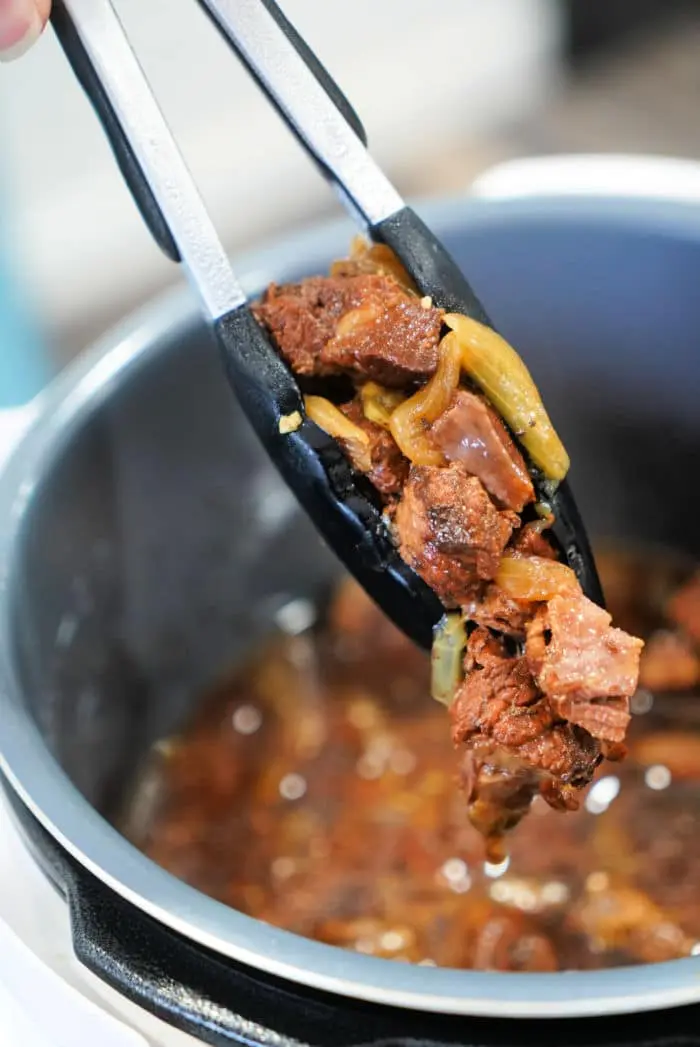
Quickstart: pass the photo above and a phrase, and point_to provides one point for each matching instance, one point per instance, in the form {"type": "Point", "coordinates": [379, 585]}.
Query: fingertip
{"type": "Point", "coordinates": [20, 27]}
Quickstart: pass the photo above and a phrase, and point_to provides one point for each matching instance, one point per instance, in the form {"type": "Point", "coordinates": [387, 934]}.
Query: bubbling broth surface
{"type": "Point", "coordinates": [317, 789]}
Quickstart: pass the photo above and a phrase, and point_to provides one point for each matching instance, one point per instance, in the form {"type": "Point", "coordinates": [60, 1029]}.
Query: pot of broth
{"type": "Point", "coordinates": [231, 765]}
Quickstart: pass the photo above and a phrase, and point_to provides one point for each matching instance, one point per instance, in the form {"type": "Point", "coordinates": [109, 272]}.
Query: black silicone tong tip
{"type": "Point", "coordinates": [340, 501]}
{"type": "Point", "coordinates": [438, 275]}
{"type": "Point", "coordinates": [128, 164]}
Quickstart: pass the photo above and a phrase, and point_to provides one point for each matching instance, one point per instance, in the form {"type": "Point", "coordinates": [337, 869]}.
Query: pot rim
{"type": "Point", "coordinates": [43, 786]}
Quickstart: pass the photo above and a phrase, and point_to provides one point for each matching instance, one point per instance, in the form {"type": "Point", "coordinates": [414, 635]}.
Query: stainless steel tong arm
{"type": "Point", "coordinates": [255, 29]}
{"type": "Point", "coordinates": [98, 47]}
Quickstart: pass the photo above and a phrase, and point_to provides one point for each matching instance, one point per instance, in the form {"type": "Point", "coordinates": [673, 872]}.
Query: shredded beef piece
{"type": "Point", "coordinates": [450, 532]}
{"type": "Point", "coordinates": [365, 324]}
{"type": "Point", "coordinates": [519, 745]}
{"type": "Point", "coordinates": [389, 470]}
{"type": "Point", "coordinates": [669, 663]}
{"type": "Point", "coordinates": [684, 608]}
{"type": "Point", "coordinates": [471, 432]}
{"type": "Point", "coordinates": [498, 699]}
{"type": "Point", "coordinates": [587, 669]}
{"type": "Point", "coordinates": [494, 609]}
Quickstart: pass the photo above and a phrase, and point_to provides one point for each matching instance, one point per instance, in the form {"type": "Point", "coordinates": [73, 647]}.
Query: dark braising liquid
{"type": "Point", "coordinates": [317, 789]}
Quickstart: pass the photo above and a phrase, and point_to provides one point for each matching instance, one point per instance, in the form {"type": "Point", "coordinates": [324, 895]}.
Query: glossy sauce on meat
{"type": "Point", "coordinates": [316, 790]}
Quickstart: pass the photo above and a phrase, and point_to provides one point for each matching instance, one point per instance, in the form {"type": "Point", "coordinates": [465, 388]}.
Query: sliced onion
{"type": "Point", "coordinates": [327, 417]}
{"type": "Point", "coordinates": [498, 370]}
{"type": "Point", "coordinates": [410, 421]}
{"type": "Point", "coordinates": [375, 258]}
{"type": "Point", "coordinates": [534, 578]}
{"type": "Point", "coordinates": [447, 657]}
{"type": "Point", "coordinates": [378, 403]}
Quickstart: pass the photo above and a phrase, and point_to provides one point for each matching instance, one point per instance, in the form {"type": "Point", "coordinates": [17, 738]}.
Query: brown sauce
{"type": "Point", "coordinates": [317, 789]}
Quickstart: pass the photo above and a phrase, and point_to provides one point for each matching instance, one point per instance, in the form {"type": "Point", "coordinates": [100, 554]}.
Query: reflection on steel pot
{"type": "Point", "coordinates": [146, 543]}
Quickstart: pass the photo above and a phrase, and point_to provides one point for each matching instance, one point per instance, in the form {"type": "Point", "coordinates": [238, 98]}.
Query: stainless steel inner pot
{"type": "Point", "coordinates": [145, 543]}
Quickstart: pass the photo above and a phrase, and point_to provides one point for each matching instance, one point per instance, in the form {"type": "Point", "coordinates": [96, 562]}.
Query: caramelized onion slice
{"type": "Point", "coordinates": [375, 258]}
{"type": "Point", "coordinates": [496, 367]}
{"type": "Point", "coordinates": [378, 403]}
{"type": "Point", "coordinates": [447, 658]}
{"type": "Point", "coordinates": [410, 421]}
{"type": "Point", "coordinates": [327, 417]}
{"type": "Point", "coordinates": [534, 578]}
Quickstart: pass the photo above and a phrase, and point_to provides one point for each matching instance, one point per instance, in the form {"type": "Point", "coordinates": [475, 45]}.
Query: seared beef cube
{"type": "Point", "coordinates": [388, 336]}
{"type": "Point", "coordinates": [684, 608]}
{"type": "Point", "coordinates": [303, 317]}
{"type": "Point", "coordinates": [586, 668]}
{"type": "Point", "coordinates": [364, 324]}
{"type": "Point", "coordinates": [389, 469]}
{"type": "Point", "coordinates": [471, 432]}
{"type": "Point", "coordinates": [450, 532]}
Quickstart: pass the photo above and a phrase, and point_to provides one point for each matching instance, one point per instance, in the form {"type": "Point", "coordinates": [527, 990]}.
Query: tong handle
{"type": "Point", "coordinates": [101, 55]}
{"type": "Point", "coordinates": [131, 170]}
{"type": "Point", "coordinates": [314, 64]}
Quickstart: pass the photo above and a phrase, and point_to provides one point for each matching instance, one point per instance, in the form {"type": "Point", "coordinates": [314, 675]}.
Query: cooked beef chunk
{"type": "Point", "coordinates": [389, 470]}
{"type": "Point", "coordinates": [498, 699]}
{"type": "Point", "coordinates": [496, 610]}
{"type": "Point", "coordinates": [669, 663]}
{"type": "Point", "coordinates": [471, 432]}
{"type": "Point", "coordinates": [498, 798]}
{"type": "Point", "coordinates": [450, 532]}
{"type": "Point", "coordinates": [518, 744]}
{"type": "Point", "coordinates": [684, 608]}
{"type": "Point", "coordinates": [365, 324]}
{"type": "Point", "coordinates": [303, 317]}
{"type": "Point", "coordinates": [586, 668]}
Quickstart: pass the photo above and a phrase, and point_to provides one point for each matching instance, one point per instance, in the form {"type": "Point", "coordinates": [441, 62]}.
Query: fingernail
{"type": "Point", "coordinates": [20, 27]}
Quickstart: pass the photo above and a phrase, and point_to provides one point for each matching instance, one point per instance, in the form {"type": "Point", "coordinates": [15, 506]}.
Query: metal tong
{"type": "Point", "coordinates": [339, 500]}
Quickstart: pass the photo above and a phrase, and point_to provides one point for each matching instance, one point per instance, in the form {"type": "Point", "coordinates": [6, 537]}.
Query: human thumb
{"type": "Point", "coordinates": [21, 24]}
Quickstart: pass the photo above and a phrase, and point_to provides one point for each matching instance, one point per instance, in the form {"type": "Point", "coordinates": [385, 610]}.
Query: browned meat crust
{"type": "Point", "coordinates": [449, 531]}
{"type": "Point", "coordinates": [364, 324]}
